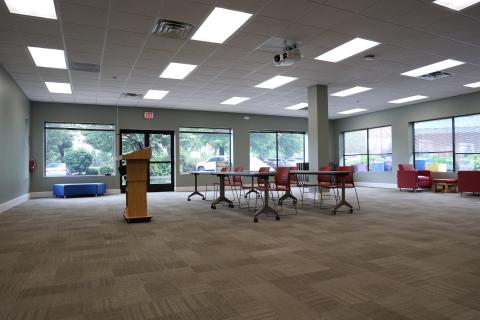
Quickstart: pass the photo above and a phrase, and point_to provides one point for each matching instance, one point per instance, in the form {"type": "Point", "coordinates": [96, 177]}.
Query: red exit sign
{"type": "Point", "coordinates": [148, 115]}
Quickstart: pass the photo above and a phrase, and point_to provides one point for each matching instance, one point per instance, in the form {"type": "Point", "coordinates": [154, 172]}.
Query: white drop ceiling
{"type": "Point", "coordinates": [116, 34]}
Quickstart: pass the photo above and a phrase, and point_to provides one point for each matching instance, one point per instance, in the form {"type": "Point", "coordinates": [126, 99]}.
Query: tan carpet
{"type": "Point", "coordinates": [403, 256]}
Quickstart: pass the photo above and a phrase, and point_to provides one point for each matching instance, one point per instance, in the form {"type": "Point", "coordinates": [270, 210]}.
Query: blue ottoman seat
{"type": "Point", "coordinates": [79, 189]}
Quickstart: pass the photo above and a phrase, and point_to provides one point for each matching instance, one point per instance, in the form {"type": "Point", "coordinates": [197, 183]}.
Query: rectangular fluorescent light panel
{"type": "Point", "coordinates": [155, 94]}
{"type": "Point", "coordinates": [235, 100]}
{"type": "Point", "coordinates": [439, 66]}
{"type": "Point", "coordinates": [473, 85]}
{"type": "Point", "coordinates": [352, 111]}
{"type": "Point", "coordinates": [36, 8]}
{"type": "Point", "coordinates": [220, 25]}
{"type": "Point", "coordinates": [347, 50]}
{"type": "Point", "coordinates": [275, 82]}
{"type": "Point", "coordinates": [408, 99]}
{"type": "Point", "coordinates": [48, 58]}
{"type": "Point", "coordinates": [59, 87]}
{"type": "Point", "coordinates": [298, 106]}
{"type": "Point", "coordinates": [176, 70]}
{"type": "Point", "coordinates": [350, 91]}
{"type": "Point", "coordinates": [456, 5]}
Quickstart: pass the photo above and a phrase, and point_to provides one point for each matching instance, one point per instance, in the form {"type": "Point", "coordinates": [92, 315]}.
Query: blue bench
{"type": "Point", "coordinates": [79, 189]}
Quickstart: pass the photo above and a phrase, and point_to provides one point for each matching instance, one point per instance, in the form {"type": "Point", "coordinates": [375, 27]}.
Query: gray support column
{"type": "Point", "coordinates": [318, 127]}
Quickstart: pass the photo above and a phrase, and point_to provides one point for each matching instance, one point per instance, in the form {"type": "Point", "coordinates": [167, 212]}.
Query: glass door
{"type": "Point", "coordinates": [161, 165]}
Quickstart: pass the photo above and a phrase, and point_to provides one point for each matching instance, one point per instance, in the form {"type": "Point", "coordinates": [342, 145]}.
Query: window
{"type": "Point", "coordinates": [447, 144]}
{"type": "Point", "coordinates": [79, 149]}
{"type": "Point", "coordinates": [433, 145]}
{"type": "Point", "coordinates": [276, 149]}
{"type": "Point", "coordinates": [368, 149]}
{"type": "Point", "coordinates": [467, 142]}
{"type": "Point", "coordinates": [204, 149]}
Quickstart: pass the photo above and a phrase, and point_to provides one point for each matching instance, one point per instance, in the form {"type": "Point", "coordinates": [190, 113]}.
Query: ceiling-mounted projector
{"type": "Point", "coordinates": [290, 55]}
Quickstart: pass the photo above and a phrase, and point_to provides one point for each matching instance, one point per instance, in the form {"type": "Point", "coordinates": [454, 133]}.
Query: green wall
{"type": "Point", "coordinates": [400, 119]}
{"type": "Point", "coordinates": [165, 119]}
{"type": "Point", "coordinates": [14, 134]}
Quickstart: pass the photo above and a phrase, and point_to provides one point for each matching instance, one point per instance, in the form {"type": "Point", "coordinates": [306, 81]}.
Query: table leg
{"type": "Point", "coordinates": [266, 208]}
{"type": "Point", "coordinates": [222, 197]}
{"type": "Point", "coordinates": [195, 192]}
{"type": "Point", "coordinates": [342, 201]}
{"type": "Point", "coordinates": [252, 190]}
{"type": "Point", "coordinates": [288, 194]}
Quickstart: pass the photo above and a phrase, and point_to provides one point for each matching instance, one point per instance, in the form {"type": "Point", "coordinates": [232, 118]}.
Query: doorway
{"type": "Point", "coordinates": [161, 168]}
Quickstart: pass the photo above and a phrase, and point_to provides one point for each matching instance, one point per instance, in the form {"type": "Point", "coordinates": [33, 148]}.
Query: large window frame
{"type": "Point", "coordinates": [453, 133]}
{"type": "Point", "coordinates": [72, 127]}
{"type": "Point", "coordinates": [368, 154]}
{"type": "Point", "coordinates": [212, 131]}
{"type": "Point", "coordinates": [277, 132]}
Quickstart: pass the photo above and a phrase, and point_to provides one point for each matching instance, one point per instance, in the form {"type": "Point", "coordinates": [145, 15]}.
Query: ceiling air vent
{"type": "Point", "coordinates": [172, 29]}
{"type": "Point", "coordinates": [131, 95]}
{"type": "Point", "coordinates": [85, 67]}
{"type": "Point", "coordinates": [435, 75]}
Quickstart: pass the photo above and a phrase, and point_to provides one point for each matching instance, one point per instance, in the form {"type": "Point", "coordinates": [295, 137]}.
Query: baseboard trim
{"type": "Point", "coordinates": [185, 189]}
{"type": "Point", "coordinates": [113, 191]}
{"type": "Point", "coordinates": [14, 202]}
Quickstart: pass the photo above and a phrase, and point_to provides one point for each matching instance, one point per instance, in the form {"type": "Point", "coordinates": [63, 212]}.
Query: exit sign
{"type": "Point", "coordinates": [148, 115]}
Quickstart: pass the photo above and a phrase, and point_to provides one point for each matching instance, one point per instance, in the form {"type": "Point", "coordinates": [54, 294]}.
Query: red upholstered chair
{"type": "Point", "coordinates": [469, 181]}
{"type": "Point", "coordinates": [409, 177]}
{"type": "Point", "coordinates": [235, 184]}
{"type": "Point", "coordinates": [322, 182]}
{"type": "Point", "coordinates": [282, 184]}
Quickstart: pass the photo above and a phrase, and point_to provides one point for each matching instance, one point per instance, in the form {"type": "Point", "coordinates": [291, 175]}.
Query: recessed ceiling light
{"type": "Point", "coordinates": [275, 82]}
{"type": "Point", "coordinates": [298, 106]}
{"type": "Point", "coordinates": [473, 85]}
{"type": "Point", "coordinates": [176, 70]}
{"type": "Point", "coordinates": [347, 49]}
{"type": "Point", "coordinates": [155, 94]}
{"type": "Point", "coordinates": [36, 8]}
{"type": "Point", "coordinates": [456, 5]}
{"type": "Point", "coordinates": [48, 58]}
{"type": "Point", "coordinates": [408, 99]}
{"type": "Point", "coordinates": [438, 66]}
{"type": "Point", "coordinates": [350, 91]}
{"type": "Point", "coordinates": [220, 25]}
{"type": "Point", "coordinates": [352, 111]}
{"type": "Point", "coordinates": [59, 87]}
{"type": "Point", "coordinates": [235, 100]}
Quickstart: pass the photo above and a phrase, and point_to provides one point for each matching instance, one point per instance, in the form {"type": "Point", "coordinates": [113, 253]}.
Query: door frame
{"type": "Point", "coordinates": [147, 133]}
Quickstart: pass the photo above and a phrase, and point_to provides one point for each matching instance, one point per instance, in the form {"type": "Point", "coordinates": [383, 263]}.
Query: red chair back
{"type": "Point", "coordinates": [406, 167]}
{"type": "Point", "coordinates": [324, 179]}
{"type": "Point", "coordinates": [349, 178]}
{"type": "Point", "coordinates": [261, 181]}
{"type": "Point", "coordinates": [293, 177]}
{"type": "Point", "coordinates": [237, 179]}
{"type": "Point", "coordinates": [226, 179]}
{"type": "Point", "coordinates": [281, 177]}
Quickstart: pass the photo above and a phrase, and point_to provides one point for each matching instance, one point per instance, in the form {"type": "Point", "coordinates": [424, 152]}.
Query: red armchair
{"type": "Point", "coordinates": [468, 181]}
{"type": "Point", "coordinates": [409, 177]}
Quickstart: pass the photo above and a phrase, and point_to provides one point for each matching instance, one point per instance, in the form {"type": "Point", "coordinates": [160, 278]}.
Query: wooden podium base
{"type": "Point", "coordinates": [146, 218]}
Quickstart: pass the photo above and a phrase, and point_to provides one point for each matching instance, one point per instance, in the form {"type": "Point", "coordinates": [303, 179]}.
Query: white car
{"type": "Point", "coordinates": [256, 164]}
{"type": "Point", "coordinates": [211, 163]}
{"type": "Point", "coordinates": [56, 169]}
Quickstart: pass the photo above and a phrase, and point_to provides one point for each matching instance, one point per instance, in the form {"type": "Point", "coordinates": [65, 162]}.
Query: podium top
{"type": "Point", "coordinates": [143, 154]}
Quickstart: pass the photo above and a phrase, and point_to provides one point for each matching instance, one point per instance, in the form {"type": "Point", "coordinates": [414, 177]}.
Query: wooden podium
{"type": "Point", "coordinates": [136, 197]}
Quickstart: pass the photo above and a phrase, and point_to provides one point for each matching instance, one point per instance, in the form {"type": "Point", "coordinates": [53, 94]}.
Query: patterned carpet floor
{"type": "Point", "coordinates": [402, 256]}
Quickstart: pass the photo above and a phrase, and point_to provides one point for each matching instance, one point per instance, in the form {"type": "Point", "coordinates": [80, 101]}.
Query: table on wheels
{"type": "Point", "coordinates": [340, 174]}
{"type": "Point", "coordinates": [222, 198]}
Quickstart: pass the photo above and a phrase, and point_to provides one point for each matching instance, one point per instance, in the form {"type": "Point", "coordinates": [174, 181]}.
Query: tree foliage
{"type": "Point", "coordinates": [100, 140]}
{"type": "Point", "coordinates": [58, 142]}
{"type": "Point", "coordinates": [78, 161]}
